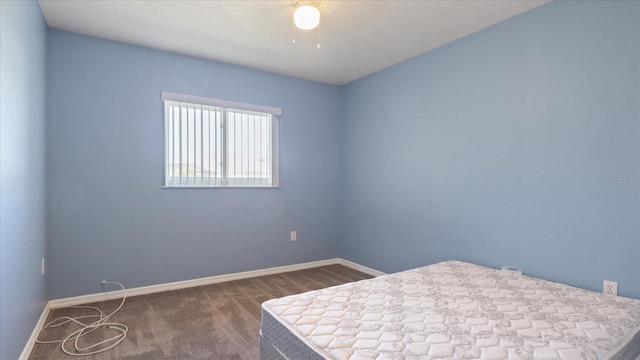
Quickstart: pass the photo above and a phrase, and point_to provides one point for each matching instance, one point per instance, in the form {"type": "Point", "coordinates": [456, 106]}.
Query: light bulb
{"type": "Point", "coordinates": [306, 17]}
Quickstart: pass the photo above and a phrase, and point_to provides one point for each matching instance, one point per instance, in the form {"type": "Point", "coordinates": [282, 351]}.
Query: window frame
{"type": "Point", "coordinates": [225, 106]}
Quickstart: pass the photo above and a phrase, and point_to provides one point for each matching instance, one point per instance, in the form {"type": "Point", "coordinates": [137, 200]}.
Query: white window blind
{"type": "Point", "coordinates": [215, 143]}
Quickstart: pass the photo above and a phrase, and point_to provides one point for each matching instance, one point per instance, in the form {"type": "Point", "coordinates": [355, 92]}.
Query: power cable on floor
{"type": "Point", "coordinates": [102, 322]}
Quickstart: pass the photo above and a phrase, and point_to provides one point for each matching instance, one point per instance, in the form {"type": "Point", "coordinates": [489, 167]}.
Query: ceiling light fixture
{"type": "Point", "coordinates": [306, 17]}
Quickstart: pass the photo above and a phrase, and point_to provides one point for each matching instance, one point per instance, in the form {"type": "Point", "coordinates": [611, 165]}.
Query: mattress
{"type": "Point", "coordinates": [451, 310]}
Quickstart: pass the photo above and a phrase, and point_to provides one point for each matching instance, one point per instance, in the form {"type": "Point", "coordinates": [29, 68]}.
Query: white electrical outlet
{"type": "Point", "coordinates": [294, 236]}
{"type": "Point", "coordinates": [610, 287]}
{"type": "Point", "coordinates": [42, 266]}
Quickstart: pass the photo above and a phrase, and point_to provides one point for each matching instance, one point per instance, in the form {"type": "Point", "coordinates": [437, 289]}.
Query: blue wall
{"type": "Point", "coordinates": [505, 147]}
{"type": "Point", "coordinates": [108, 216]}
{"type": "Point", "coordinates": [517, 145]}
{"type": "Point", "coordinates": [22, 172]}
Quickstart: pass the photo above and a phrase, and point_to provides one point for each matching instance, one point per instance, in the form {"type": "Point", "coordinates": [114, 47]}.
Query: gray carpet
{"type": "Point", "coordinates": [219, 321]}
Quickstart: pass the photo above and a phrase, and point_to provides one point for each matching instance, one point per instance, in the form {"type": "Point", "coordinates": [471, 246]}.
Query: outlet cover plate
{"type": "Point", "coordinates": [610, 287]}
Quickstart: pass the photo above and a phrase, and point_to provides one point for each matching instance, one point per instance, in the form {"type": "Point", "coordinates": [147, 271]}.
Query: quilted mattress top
{"type": "Point", "coordinates": [459, 310]}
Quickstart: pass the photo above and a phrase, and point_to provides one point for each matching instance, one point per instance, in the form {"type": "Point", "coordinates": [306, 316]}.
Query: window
{"type": "Point", "coordinates": [215, 143]}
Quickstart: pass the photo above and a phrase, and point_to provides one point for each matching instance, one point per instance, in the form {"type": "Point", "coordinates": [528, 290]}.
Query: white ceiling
{"type": "Point", "coordinates": [357, 38]}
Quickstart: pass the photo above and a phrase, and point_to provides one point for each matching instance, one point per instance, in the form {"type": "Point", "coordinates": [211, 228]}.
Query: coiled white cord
{"type": "Point", "coordinates": [101, 322]}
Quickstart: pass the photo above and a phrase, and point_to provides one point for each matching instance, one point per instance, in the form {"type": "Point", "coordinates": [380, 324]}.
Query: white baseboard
{"type": "Point", "coordinates": [361, 268]}
{"type": "Point", "coordinates": [84, 299]}
{"type": "Point", "coordinates": [144, 290]}
{"type": "Point", "coordinates": [34, 334]}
